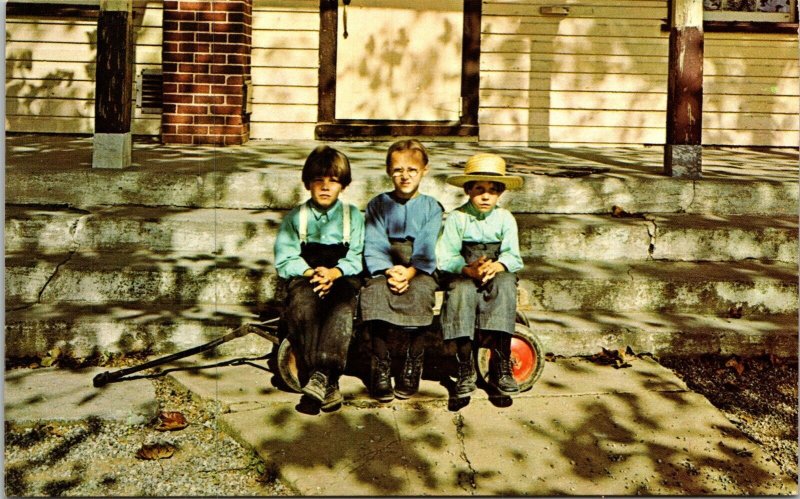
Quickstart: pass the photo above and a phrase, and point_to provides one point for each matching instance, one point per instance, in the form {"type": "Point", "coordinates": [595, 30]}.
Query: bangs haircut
{"type": "Point", "coordinates": [407, 145]}
{"type": "Point", "coordinates": [498, 186]}
{"type": "Point", "coordinates": [325, 161]}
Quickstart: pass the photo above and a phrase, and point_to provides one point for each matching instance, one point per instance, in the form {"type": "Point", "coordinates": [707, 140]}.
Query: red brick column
{"type": "Point", "coordinates": [206, 62]}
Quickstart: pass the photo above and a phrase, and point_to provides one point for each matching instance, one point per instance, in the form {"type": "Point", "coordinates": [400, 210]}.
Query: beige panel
{"type": "Point", "coordinates": [400, 62]}
{"type": "Point", "coordinates": [49, 124]}
{"type": "Point", "coordinates": [289, 113]}
{"type": "Point", "coordinates": [306, 77]}
{"type": "Point", "coordinates": [261, 6]}
{"type": "Point", "coordinates": [295, 58]}
{"type": "Point", "coordinates": [282, 131]}
{"type": "Point", "coordinates": [299, 21]}
{"type": "Point", "coordinates": [608, 10]}
{"type": "Point", "coordinates": [571, 135]}
{"type": "Point", "coordinates": [283, 94]}
{"type": "Point", "coordinates": [285, 39]}
{"type": "Point", "coordinates": [50, 107]}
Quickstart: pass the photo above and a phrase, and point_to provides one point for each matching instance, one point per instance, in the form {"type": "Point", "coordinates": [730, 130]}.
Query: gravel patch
{"type": "Point", "coordinates": [757, 394]}
{"type": "Point", "coordinates": [97, 458]}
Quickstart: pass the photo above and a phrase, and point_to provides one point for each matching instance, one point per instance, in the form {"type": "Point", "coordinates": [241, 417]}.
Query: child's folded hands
{"type": "Point", "coordinates": [399, 277]}
{"type": "Point", "coordinates": [325, 277]}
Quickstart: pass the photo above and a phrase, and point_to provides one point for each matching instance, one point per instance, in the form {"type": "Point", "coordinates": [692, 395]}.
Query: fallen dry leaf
{"type": "Point", "coordinates": [736, 365]}
{"type": "Point", "coordinates": [171, 421]}
{"type": "Point", "coordinates": [155, 451]}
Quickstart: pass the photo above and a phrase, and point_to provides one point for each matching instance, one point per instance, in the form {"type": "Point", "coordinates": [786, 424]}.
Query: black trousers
{"type": "Point", "coordinates": [320, 329]}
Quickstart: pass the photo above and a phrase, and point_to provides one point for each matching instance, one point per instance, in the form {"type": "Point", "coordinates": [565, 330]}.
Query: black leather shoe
{"type": "Point", "coordinates": [381, 379]}
{"type": "Point", "coordinates": [467, 377]}
{"type": "Point", "coordinates": [316, 386]}
{"type": "Point", "coordinates": [408, 383]}
{"type": "Point", "coordinates": [501, 376]}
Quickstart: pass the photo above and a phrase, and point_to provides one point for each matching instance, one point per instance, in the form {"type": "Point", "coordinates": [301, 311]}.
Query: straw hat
{"type": "Point", "coordinates": [486, 166]}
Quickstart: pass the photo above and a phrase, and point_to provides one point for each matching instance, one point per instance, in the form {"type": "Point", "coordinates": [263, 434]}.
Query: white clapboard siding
{"type": "Point", "coordinates": [285, 69]}
{"type": "Point", "coordinates": [599, 76]}
{"type": "Point", "coordinates": [51, 68]}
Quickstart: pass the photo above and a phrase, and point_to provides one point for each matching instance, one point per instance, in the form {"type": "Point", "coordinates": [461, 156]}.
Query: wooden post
{"type": "Point", "coordinates": [114, 85]}
{"type": "Point", "coordinates": [683, 151]}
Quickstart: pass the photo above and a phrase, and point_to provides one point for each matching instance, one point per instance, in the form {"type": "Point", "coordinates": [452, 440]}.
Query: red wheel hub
{"type": "Point", "coordinates": [523, 359]}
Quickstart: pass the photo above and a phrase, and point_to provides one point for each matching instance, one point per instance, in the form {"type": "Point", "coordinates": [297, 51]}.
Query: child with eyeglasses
{"type": "Point", "coordinates": [399, 256]}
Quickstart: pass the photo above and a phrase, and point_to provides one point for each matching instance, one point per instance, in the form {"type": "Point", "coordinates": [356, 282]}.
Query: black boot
{"type": "Point", "coordinates": [316, 386]}
{"type": "Point", "coordinates": [381, 379]}
{"type": "Point", "coordinates": [500, 367]}
{"type": "Point", "coordinates": [408, 383]}
{"type": "Point", "coordinates": [333, 397]}
{"type": "Point", "coordinates": [467, 377]}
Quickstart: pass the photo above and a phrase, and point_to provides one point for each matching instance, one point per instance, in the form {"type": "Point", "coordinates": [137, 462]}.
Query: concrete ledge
{"type": "Point", "coordinates": [586, 332]}
{"type": "Point", "coordinates": [250, 234]}
{"type": "Point", "coordinates": [707, 287]}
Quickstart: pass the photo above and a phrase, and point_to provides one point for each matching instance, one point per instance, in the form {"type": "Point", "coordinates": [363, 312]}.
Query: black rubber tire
{"type": "Point", "coordinates": [287, 366]}
{"type": "Point", "coordinates": [524, 338]}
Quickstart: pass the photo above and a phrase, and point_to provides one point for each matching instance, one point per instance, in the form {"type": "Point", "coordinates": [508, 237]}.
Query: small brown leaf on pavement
{"type": "Point", "coordinates": [736, 364]}
{"type": "Point", "coordinates": [155, 451]}
{"type": "Point", "coordinates": [171, 421]}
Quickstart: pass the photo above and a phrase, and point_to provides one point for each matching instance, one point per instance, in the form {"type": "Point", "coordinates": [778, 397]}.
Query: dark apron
{"type": "Point", "coordinates": [321, 328]}
{"type": "Point", "coordinates": [414, 308]}
{"type": "Point", "coordinates": [491, 307]}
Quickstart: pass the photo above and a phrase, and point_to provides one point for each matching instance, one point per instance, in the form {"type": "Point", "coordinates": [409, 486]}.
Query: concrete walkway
{"type": "Point", "coordinates": [584, 429]}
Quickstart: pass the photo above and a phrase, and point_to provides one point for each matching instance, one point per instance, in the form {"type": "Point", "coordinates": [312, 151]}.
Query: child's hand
{"type": "Point", "coordinates": [324, 277]}
{"type": "Point", "coordinates": [473, 269]}
{"type": "Point", "coordinates": [399, 278]}
{"type": "Point", "coordinates": [489, 269]}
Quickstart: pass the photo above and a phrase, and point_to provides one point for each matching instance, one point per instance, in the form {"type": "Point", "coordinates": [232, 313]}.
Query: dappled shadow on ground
{"type": "Point", "coordinates": [605, 432]}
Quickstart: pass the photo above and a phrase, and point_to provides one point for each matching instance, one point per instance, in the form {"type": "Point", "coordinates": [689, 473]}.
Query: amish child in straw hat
{"type": "Point", "coordinates": [399, 256]}
{"type": "Point", "coordinates": [478, 254]}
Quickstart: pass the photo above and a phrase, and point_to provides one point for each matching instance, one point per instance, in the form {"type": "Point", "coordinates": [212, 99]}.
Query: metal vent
{"type": "Point", "coordinates": [149, 94]}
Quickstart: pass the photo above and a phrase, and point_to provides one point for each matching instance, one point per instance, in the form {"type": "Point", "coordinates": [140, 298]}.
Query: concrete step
{"type": "Point", "coordinates": [251, 234]}
{"type": "Point", "coordinates": [708, 287]}
{"type": "Point", "coordinates": [184, 279]}
{"type": "Point", "coordinates": [81, 330]}
{"type": "Point", "coordinates": [241, 178]}
{"type": "Point", "coordinates": [586, 332]}
{"type": "Point", "coordinates": [84, 330]}
{"type": "Point", "coordinates": [688, 287]}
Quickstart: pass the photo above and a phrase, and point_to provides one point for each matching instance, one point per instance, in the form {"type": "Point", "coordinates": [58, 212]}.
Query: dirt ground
{"type": "Point", "coordinates": [758, 394]}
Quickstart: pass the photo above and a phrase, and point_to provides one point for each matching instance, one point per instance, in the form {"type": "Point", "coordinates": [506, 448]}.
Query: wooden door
{"type": "Point", "coordinates": [394, 67]}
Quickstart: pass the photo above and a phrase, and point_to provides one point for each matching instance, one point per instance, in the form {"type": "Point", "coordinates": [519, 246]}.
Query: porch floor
{"type": "Point", "coordinates": [39, 153]}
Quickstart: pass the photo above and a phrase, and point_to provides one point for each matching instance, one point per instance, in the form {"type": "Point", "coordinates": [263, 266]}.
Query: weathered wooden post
{"type": "Point", "coordinates": [683, 151]}
{"type": "Point", "coordinates": [114, 84]}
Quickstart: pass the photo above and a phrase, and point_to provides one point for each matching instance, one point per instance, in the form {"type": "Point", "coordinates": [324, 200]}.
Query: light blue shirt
{"type": "Point", "coordinates": [418, 219]}
{"type": "Point", "coordinates": [324, 227]}
{"type": "Point", "coordinates": [467, 224]}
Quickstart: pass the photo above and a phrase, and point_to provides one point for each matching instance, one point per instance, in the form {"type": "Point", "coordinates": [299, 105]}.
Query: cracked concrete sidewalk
{"type": "Point", "coordinates": [584, 429]}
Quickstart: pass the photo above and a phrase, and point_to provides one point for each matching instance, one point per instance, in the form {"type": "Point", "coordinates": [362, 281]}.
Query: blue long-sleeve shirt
{"type": "Point", "coordinates": [467, 224]}
{"type": "Point", "coordinates": [324, 227]}
{"type": "Point", "coordinates": [418, 219]}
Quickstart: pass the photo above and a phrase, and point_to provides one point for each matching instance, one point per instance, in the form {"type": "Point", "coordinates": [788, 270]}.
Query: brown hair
{"type": "Point", "coordinates": [499, 186]}
{"type": "Point", "coordinates": [325, 161]}
{"type": "Point", "coordinates": [407, 145]}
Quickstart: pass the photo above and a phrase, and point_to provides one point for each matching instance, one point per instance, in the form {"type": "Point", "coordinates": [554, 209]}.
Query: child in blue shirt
{"type": "Point", "coordinates": [478, 254]}
{"type": "Point", "coordinates": [318, 251]}
{"type": "Point", "coordinates": [399, 255]}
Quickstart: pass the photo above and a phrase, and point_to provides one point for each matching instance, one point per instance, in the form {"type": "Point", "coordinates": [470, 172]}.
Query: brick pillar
{"type": "Point", "coordinates": [206, 63]}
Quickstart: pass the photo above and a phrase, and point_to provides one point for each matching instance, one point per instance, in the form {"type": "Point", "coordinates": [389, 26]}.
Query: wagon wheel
{"type": "Point", "coordinates": [287, 366]}
{"type": "Point", "coordinates": [527, 358]}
